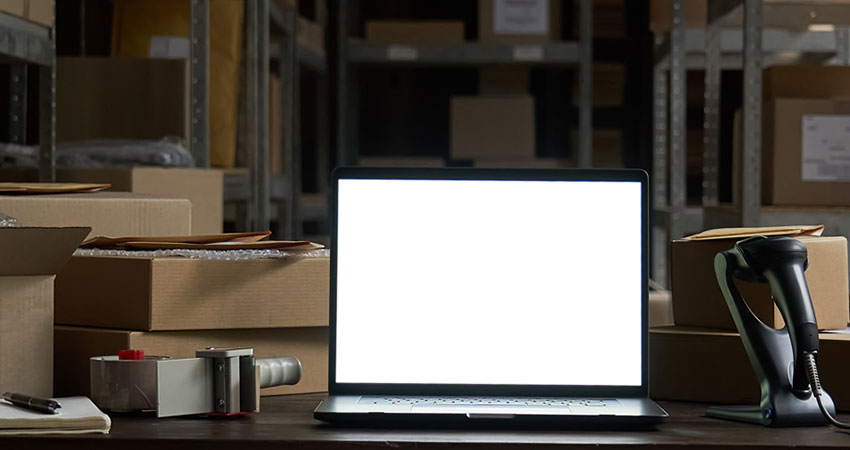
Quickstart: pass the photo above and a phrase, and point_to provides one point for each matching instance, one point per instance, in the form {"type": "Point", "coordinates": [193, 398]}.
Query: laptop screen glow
{"type": "Point", "coordinates": [489, 282]}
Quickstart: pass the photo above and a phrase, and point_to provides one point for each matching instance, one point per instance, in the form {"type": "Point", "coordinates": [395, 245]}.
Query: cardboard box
{"type": "Point", "coordinates": [414, 31]}
{"type": "Point", "coordinates": [503, 80]}
{"type": "Point", "coordinates": [93, 100]}
{"type": "Point", "coordinates": [607, 147]}
{"type": "Point", "coordinates": [691, 364]}
{"type": "Point", "coordinates": [174, 293]}
{"type": "Point", "coordinates": [38, 11]}
{"type": "Point", "coordinates": [495, 127]}
{"type": "Point", "coordinates": [660, 308]}
{"type": "Point", "coordinates": [519, 21]}
{"type": "Point", "coordinates": [805, 160]}
{"type": "Point", "coordinates": [609, 18]}
{"type": "Point", "coordinates": [402, 161]}
{"type": "Point", "coordinates": [311, 35]}
{"type": "Point", "coordinates": [609, 84]}
{"type": "Point", "coordinates": [136, 23]}
{"type": "Point", "coordinates": [661, 14]}
{"type": "Point", "coordinates": [536, 163]}
{"type": "Point", "coordinates": [107, 213]}
{"type": "Point", "coordinates": [805, 81]}
{"type": "Point", "coordinates": [29, 260]}
{"type": "Point", "coordinates": [75, 345]}
{"type": "Point", "coordinates": [202, 187]}
{"type": "Point", "coordinates": [698, 302]}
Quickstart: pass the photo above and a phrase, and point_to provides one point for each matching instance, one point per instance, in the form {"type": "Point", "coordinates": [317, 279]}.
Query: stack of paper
{"type": "Point", "coordinates": [77, 415]}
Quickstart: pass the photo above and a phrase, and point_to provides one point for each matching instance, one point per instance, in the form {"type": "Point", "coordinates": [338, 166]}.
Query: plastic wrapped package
{"type": "Point", "coordinates": [166, 152]}
{"type": "Point", "coordinates": [226, 255]}
{"type": "Point", "coordinates": [8, 221]}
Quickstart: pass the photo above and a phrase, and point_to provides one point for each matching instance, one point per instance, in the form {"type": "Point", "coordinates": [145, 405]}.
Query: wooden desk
{"type": "Point", "coordinates": [287, 423]}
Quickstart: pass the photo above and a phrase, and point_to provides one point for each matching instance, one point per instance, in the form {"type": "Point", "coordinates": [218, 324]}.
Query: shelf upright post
{"type": "Point", "coordinates": [659, 168]}
{"type": "Point", "coordinates": [842, 45]}
{"type": "Point", "coordinates": [258, 109]}
{"type": "Point", "coordinates": [199, 68]}
{"type": "Point", "coordinates": [751, 173]}
{"type": "Point", "coordinates": [347, 89]}
{"type": "Point", "coordinates": [18, 103]}
{"type": "Point", "coordinates": [678, 122]}
{"type": "Point", "coordinates": [289, 219]}
{"type": "Point", "coordinates": [46, 114]}
{"type": "Point", "coordinates": [585, 132]}
{"type": "Point", "coordinates": [711, 114]}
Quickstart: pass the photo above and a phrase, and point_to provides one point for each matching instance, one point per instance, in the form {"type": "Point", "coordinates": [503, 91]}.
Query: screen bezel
{"type": "Point", "coordinates": [608, 175]}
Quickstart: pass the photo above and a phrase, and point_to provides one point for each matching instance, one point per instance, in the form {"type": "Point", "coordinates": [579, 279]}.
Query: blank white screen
{"type": "Point", "coordinates": [489, 282]}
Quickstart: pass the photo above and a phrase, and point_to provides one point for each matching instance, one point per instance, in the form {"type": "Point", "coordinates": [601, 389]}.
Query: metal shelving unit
{"type": "Point", "coordinates": [713, 49]}
{"type": "Point", "coordinates": [258, 188]}
{"type": "Point", "coordinates": [354, 52]}
{"type": "Point", "coordinates": [24, 44]}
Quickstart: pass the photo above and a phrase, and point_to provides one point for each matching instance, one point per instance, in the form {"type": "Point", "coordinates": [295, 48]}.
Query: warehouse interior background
{"type": "Point", "coordinates": [275, 93]}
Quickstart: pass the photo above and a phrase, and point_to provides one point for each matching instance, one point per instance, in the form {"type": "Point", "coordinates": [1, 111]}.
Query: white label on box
{"type": "Point", "coordinates": [171, 47]}
{"type": "Point", "coordinates": [521, 16]}
{"type": "Point", "coordinates": [826, 147]}
{"type": "Point", "coordinates": [528, 53]}
{"type": "Point", "coordinates": [402, 53]}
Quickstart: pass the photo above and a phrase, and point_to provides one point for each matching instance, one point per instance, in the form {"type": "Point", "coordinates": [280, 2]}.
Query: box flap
{"type": "Point", "coordinates": [738, 233]}
{"type": "Point", "coordinates": [38, 251]}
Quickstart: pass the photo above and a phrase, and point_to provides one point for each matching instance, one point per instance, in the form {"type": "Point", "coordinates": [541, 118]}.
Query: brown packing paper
{"type": "Point", "coordinates": [50, 188]}
{"type": "Point", "coordinates": [225, 241]}
{"type": "Point", "coordinates": [740, 233]}
{"type": "Point", "coordinates": [111, 242]}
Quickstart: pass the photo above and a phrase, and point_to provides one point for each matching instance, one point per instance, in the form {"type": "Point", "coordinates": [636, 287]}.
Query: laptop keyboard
{"type": "Point", "coordinates": [488, 401]}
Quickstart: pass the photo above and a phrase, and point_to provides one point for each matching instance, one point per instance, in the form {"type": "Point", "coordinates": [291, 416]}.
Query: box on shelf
{"type": "Point", "coordinates": [607, 147]}
{"type": "Point", "coordinates": [700, 365]}
{"type": "Point", "coordinates": [202, 187]}
{"type": "Point", "coordinates": [698, 302]}
{"type": "Point", "coordinates": [136, 24]}
{"type": "Point", "coordinates": [519, 21]}
{"type": "Point", "coordinates": [503, 80]}
{"type": "Point", "coordinates": [311, 35]}
{"type": "Point", "coordinates": [402, 161]}
{"type": "Point", "coordinates": [609, 84]}
{"type": "Point", "coordinates": [805, 161]}
{"type": "Point", "coordinates": [536, 163]}
{"type": "Point", "coordinates": [174, 293]}
{"type": "Point", "coordinates": [494, 127]}
{"type": "Point", "coordinates": [28, 263]}
{"type": "Point", "coordinates": [609, 18]}
{"type": "Point", "coordinates": [107, 213]}
{"type": "Point", "coordinates": [805, 81]}
{"type": "Point", "coordinates": [93, 100]}
{"type": "Point", "coordinates": [38, 11]}
{"type": "Point", "coordinates": [661, 14]}
{"type": "Point", "coordinates": [75, 345]}
{"type": "Point", "coordinates": [415, 31]}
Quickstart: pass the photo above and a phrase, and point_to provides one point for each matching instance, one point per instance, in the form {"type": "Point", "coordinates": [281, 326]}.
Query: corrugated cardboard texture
{"type": "Point", "coordinates": [414, 31]}
{"type": "Point", "coordinates": [121, 98]}
{"type": "Point", "coordinates": [136, 22]}
{"type": "Point", "coordinates": [711, 366]}
{"type": "Point", "coordinates": [497, 127]}
{"type": "Point", "coordinates": [782, 180]}
{"type": "Point", "coordinates": [193, 294]}
{"type": "Point", "coordinates": [202, 187]}
{"type": "Point", "coordinates": [26, 334]}
{"type": "Point", "coordinates": [107, 213]}
{"type": "Point", "coordinates": [487, 34]}
{"type": "Point", "coordinates": [698, 302]}
{"type": "Point", "coordinates": [75, 345]}
{"type": "Point", "coordinates": [37, 251]}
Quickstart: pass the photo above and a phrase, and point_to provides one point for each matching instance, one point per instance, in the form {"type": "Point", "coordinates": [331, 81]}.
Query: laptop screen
{"type": "Point", "coordinates": [489, 282]}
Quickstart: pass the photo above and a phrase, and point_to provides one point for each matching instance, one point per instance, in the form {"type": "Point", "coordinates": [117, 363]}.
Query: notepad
{"type": "Point", "coordinates": [77, 415]}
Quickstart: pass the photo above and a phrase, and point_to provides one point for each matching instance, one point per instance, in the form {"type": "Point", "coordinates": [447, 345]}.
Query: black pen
{"type": "Point", "coordinates": [32, 403]}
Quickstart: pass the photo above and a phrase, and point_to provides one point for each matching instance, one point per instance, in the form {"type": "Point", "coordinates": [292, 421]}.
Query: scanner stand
{"type": "Point", "coordinates": [772, 355]}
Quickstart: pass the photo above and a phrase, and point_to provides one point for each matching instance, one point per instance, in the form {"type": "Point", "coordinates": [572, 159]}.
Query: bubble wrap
{"type": "Point", "coordinates": [8, 221]}
{"type": "Point", "coordinates": [225, 255]}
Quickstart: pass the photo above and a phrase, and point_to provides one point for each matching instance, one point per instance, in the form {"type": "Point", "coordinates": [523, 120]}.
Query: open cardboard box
{"type": "Point", "coordinates": [29, 261]}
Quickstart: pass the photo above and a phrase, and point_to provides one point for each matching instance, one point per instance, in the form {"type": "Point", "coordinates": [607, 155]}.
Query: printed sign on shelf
{"type": "Point", "coordinates": [826, 147]}
{"type": "Point", "coordinates": [521, 16]}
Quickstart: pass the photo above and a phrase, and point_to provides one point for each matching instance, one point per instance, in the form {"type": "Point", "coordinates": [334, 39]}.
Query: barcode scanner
{"type": "Point", "coordinates": [785, 361]}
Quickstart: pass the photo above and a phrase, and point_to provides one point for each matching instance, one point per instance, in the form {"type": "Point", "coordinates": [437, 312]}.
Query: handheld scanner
{"type": "Point", "coordinates": [781, 262]}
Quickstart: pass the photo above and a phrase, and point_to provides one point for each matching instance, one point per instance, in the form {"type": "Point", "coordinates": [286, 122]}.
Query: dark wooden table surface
{"type": "Point", "coordinates": [287, 423]}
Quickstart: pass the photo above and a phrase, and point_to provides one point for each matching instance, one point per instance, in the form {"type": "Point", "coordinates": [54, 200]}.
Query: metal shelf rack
{"type": "Point", "coordinates": [258, 187]}
{"type": "Point", "coordinates": [714, 49]}
{"type": "Point", "coordinates": [24, 44]}
{"type": "Point", "coordinates": [355, 52]}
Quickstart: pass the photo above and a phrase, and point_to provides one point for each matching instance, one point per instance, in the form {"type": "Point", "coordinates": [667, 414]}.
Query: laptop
{"type": "Point", "coordinates": [509, 296]}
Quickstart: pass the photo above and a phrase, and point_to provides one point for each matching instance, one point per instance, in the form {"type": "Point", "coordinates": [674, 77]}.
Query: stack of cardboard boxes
{"type": "Point", "coordinates": [701, 357]}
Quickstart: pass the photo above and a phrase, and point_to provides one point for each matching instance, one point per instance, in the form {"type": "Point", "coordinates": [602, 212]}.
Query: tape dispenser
{"type": "Point", "coordinates": [218, 381]}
